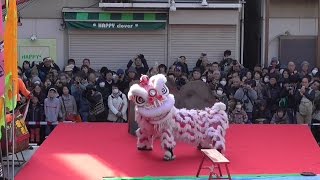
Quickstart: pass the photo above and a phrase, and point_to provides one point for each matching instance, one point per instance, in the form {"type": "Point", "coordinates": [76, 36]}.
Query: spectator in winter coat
{"type": "Point", "coordinates": [238, 115]}
{"type": "Point", "coordinates": [226, 61]}
{"type": "Point", "coordinates": [35, 114]}
{"type": "Point", "coordinates": [233, 87]}
{"type": "Point", "coordinates": [247, 95]}
{"type": "Point", "coordinates": [304, 69]}
{"type": "Point", "coordinates": [46, 66]}
{"type": "Point", "coordinates": [87, 63]}
{"type": "Point", "coordinates": [118, 105]}
{"type": "Point", "coordinates": [271, 93]}
{"type": "Point", "coordinates": [97, 110]}
{"type": "Point", "coordinates": [140, 63]}
{"type": "Point", "coordinates": [52, 109]}
{"type": "Point", "coordinates": [304, 98]}
{"type": "Point", "coordinates": [77, 91]}
{"type": "Point", "coordinates": [182, 62]}
{"type": "Point", "coordinates": [75, 69]}
{"type": "Point", "coordinates": [280, 117]}
{"type": "Point", "coordinates": [202, 62]}
{"type": "Point", "coordinates": [261, 114]}
{"type": "Point", "coordinates": [68, 105]}
{"type": "Point", "coordinates": [221, 96]}
{"type": "Point", "coordinates": [37, 91]}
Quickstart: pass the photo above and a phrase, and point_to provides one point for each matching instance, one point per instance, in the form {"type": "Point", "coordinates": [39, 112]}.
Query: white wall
{"type": "Point", "coordinates": [296, 26]}
{"type": "Point", "coordinates": [298, 17]}
{"type": "Point", "coordinates": [52, 8]}
{"type": "Point", "coordinates": [46, 29]}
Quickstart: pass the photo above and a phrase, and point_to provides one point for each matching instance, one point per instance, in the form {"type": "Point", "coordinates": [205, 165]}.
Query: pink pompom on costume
{"type": "Point", "coordinates": [158, 118]}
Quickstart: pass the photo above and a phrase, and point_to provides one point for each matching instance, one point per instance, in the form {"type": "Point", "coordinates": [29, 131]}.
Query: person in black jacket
{"type": "Point", "coordinates": [35, 114]}
{"type": "Point", "coordinates": [46, 66]}
{"type": "Point", "coordinates": [140, 63]}
{"type": "Point", "coordinates": [97, 110]}
{"type": "Point", "coordinates": [202, 62]}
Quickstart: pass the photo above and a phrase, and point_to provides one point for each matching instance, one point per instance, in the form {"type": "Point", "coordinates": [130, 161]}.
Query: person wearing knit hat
{"type": "Point", "coordinates": [120, 72]}
{"type": "Point", "coordinates": [36, 80]}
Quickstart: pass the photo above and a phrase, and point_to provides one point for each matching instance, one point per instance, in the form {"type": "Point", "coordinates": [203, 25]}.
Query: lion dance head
{"type": "Point", "coordinates": [152, 97]}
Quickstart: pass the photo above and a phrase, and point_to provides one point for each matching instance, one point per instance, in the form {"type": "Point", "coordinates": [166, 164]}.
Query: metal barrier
{"type": "Point", "coordinates": [44, 123]}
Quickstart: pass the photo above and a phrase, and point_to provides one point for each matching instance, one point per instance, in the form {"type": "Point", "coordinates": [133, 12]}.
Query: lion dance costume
{"type": "Point", "coordinates": [157, 117]}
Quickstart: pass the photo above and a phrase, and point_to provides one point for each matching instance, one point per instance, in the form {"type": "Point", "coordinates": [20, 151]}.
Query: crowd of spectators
{"type": "Point", "coordinates": [277, 94]}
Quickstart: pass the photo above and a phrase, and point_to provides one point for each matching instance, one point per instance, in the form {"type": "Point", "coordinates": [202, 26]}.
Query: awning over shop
{"type": "Point", "coordinates": [115, 21]}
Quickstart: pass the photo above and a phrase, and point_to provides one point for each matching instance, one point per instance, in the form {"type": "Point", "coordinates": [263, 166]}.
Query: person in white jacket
{"type": "Point", "coordinates": [118, 105]}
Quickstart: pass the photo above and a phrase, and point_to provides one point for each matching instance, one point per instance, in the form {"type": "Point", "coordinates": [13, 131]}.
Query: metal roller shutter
{"type": "Point", "coordinates": [115, 48]}
{"type": "Point", "coordinates": [192, 40]}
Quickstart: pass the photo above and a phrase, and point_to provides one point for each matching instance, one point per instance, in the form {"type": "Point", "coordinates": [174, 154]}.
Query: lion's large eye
{"type": "Point", "coordinates": [139, 100]}
{"type": "Point", "coordinates": [165, 90]}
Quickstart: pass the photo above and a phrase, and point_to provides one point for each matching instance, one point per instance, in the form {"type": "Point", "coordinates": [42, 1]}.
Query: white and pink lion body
{"type": "Point", "coordinates": [158, 118]}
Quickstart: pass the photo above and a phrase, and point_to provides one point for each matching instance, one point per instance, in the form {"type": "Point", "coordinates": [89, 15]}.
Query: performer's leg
{"type": "Point", "coordinates": [168, 143]}
{"type": "Point", "coordinates": [145, 140]}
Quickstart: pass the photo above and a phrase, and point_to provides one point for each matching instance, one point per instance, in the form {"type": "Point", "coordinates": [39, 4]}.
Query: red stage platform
{"type": "Point", "coordinates": [95, 150]}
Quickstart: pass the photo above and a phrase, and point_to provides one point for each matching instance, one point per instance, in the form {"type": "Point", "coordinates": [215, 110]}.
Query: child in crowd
{"type": "Point", "coordinates": [238, 115]}
{"type": "Point", "coordinates": [261, 114]}
{"type": "Point", "coordinates": [51, 109]}
{"type": "Point", "coordinates": [35, 114]}
{"type": "Point", "coordinates": [280, 117]}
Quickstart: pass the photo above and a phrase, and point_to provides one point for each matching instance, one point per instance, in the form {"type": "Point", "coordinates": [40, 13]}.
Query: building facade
{"type": "Point", "coordinates": [291, 28]}
{"type": "Point", "coordinates": [112, 33]}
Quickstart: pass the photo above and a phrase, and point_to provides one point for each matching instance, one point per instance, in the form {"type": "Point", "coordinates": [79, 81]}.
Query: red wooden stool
{"type": "Point", "coordinates": [217, 159]}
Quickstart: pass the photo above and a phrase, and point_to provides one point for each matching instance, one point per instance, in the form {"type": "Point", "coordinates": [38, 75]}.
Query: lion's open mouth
{"type": "Point", "coordinates": [158, 111]}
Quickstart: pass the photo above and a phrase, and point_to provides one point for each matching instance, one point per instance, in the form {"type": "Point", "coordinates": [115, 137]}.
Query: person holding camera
{"type": "Point", "coordinates": [140, 63]}
{"type": "Point", "coordinates": [97, 110]}
{"type": "Point", "coordinates": [202, 62]}
{"type": "Point", "coordinates": [46, 66]}
{"type": "Point", "coordinates": [271, 93]}
{"type": "Point", "coordinates": [226, 61]}
{"type": "Point", "coordinates": [77, 91]}
{"type": "Point", "coordinates": [304, 97]}
{"type": "Point", "coordinates": [182, 62]}
{"type": "Point", "coordinates": [287, 100]}
{"type": "Point", "coordinates": [247, 95]}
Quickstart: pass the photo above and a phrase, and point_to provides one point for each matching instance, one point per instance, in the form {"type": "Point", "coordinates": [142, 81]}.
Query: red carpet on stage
{"type": "Point", "coordinates": [95, 150]}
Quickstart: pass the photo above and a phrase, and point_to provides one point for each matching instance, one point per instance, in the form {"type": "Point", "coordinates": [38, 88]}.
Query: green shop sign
{"type": "Point", "coordinates": [116, 25]}
{"type": "Point", "coordinates": [115, 20]}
